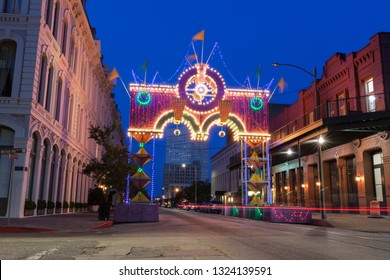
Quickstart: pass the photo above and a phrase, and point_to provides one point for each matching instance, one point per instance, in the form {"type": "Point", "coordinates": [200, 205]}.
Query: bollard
{"type": "Point", "coordinates": [374, 208]}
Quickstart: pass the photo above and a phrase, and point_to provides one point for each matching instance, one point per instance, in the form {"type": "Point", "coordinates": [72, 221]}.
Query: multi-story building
{"type": "Point", "coordinates": [52, 87]}
{"type": "Point", "coordinates": [228, 167]}
{"type": "Point", "coordinates": [349, 108]}
{"type": "Point", "coordinates": [226, 181]}
{"type": "Point", "coordinates": [186, 161]}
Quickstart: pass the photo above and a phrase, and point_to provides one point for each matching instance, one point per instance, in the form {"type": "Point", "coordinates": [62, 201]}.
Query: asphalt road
{"type": "Point", "coordinates": [189, 235]}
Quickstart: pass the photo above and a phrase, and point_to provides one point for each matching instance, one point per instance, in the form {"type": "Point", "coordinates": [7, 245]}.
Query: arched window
{"type": "Point", "coordinates": [56, 19]}
{"type": "Point", "coordinates": [49, 12]}
{"type": "Point", "coordinates": [75, 60]}
{"type": "Point", "coordinates": [70, 114]}
{"type": "Point", "coordinates": [42, 80]}
{"type": "Point", "coordinates": [66, 108]}
{"type": "Point", "coordinates": [51, 193]}
{"type": "Point", "coordinates": [7, 64]}
{"type": "Point", "coordinates": [58, 101]}
{"type": "Point", "coordinates": [12, 6]}
{"type": "Point", "coordinates": [71, 53]}
{"type": "Point", "coordinates": [6, 142]}
{"type": "Point", "coordinates": [45, 158]}
{"type": "Point", "coordinates": [48, 94]}
{"type": "Point", "coordinates": [64, 38]}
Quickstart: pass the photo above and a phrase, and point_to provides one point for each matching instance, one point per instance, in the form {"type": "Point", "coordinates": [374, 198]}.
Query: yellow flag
{"type": "Point", "coordinates": [113, 75]}
{"type": "Point", "coordinates": [199, 36]}
{"type": "Point", "coordinates": [282, 84]}
{"type": "Point", "coordinates": [192, 57]}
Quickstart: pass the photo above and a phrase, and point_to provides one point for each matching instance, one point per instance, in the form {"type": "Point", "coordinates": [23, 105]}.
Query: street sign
{"type": "Point", "coordinates": [13, 156]}
{"type": "Point", "coordinates": [13, 151]}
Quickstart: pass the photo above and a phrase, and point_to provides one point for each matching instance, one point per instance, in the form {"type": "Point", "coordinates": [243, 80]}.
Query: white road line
{"type": "Point", "coordinates": [39, 255]}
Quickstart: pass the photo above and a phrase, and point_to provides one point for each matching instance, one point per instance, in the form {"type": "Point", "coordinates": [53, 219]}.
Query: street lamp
{"type": "Point", "coordinates": [314, 75]}
{"type": "Point", "coordinates": [195, 181]}
{"type": "Point", "coordinates": [321, 141]}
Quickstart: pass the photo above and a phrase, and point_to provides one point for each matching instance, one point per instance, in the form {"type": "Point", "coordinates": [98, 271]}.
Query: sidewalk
{"type": "Point", "coordinates": [71, 222]}
{"type": "Point", "coordinates": [87, 221]}
{"type": "Point", "coordinates": [354, 222]}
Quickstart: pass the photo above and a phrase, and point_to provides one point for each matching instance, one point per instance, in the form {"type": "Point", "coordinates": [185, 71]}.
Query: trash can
{"type": "Point", "coordinates": [104, 212]}
{"type": "Point", "coordinates": [374, 208]}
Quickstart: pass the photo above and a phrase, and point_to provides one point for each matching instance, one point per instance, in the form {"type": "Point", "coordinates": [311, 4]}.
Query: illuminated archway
{"type": "Point", "coordinates": [200, 100]}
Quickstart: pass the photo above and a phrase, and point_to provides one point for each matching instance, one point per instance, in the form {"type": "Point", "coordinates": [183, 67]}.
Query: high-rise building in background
{"type": "Point", "coordinates": [52, 87]}
{"type": "Point", "coordinates": [186, 160]}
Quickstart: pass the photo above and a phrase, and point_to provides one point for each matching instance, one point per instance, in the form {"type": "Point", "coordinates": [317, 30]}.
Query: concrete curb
{"type": "Point", "coordinates": [24, 229]}
{"type": "Point", "coordinates": [106, 224]}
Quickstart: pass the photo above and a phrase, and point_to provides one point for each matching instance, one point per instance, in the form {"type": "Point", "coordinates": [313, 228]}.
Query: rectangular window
{"type": "Point", "coordinates": [378, 176]}
{"type": "Point", "coordinates": [12, 6]}
{"type": "Point", "coordinates": [332, 108]}
{"type": "Point", "coordinates": [369, 95]}
{"type": "Point", "coordinates": [342, 104]}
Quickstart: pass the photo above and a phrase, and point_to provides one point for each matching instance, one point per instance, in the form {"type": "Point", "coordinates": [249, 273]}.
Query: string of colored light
{"type": "Point", "coordinates": [127, 201]}
{"type": "Point", "coordinates": [227, 69]}
{"type": "Point", "coordinates": [269, 191]}
{"type": "Point", "coordinates": [134, 76]}
{"type": "Point", "coordinates": [183, 65]}
{"type": "Point", "coordinates": [246, 171]}
{"type": "Point", "coordinates": [154, 150]}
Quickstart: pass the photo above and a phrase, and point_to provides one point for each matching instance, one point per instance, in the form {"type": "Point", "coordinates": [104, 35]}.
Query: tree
{"type": "Point", "coordinates": [113, 167]}
{"type": "Point", "coordinates": [203, 191]}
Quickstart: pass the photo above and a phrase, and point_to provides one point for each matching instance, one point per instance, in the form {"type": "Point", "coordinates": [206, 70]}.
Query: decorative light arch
{"type": "Point", "coordinates": [200, 100]}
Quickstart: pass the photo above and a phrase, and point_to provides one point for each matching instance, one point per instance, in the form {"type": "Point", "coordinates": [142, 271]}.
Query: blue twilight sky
{"type": "Point", "coordinates": [249, 33]}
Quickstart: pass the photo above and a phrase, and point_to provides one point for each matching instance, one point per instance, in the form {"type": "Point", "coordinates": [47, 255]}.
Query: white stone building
{"type": "Point", "coordinates": [52, 87]}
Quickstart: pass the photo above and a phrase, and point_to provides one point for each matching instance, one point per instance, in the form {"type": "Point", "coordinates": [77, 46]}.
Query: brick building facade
{"type": "Point", "coordinates": [353, 117]}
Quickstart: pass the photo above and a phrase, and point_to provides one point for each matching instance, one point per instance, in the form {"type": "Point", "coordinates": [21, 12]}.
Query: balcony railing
{"type": "Point", "coordinates": [335, 108]}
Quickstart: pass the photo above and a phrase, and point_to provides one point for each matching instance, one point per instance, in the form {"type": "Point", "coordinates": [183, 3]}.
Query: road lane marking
{"type": "Point", "coordinates": [39, 255]}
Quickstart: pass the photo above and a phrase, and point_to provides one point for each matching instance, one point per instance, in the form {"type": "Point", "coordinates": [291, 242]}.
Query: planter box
{"type": "Point", "coordinates": [58, 210]}
{"type": "Point", "coordinates": [93, 208]}
{"type": "Point", "coordinates": [136, 213]}
{"type": "Point", "coordinates": [41, 211]}
{"type": "Point", "coordinates": [290, 215]}
{"type": "Point", "coordinates": [29, 212]}
{"type": "Point", "coordinates": [50, 211]}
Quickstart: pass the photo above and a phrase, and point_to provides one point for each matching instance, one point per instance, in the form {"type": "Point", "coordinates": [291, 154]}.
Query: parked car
{"type": "Point", "coordinates": [191, 206]}
{"type": "Point", "coordinates": [213, 206]}
{"type": "Point", "coordinates": [200, 206]}
{"type": "Point", "coordinates": [182, 205]}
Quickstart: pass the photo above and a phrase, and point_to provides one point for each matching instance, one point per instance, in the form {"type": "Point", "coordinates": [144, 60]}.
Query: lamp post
{"type": "Point", "coordinates": [314, 75]}
{"type": "Point", "coordinates": [321, 140]}
{"type": "Point", "coordinates": [195, 180]}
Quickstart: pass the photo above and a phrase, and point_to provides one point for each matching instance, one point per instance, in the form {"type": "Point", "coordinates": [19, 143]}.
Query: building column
{"type": "Point", "coordinates": [299, 189]}
{"type": "Point", "coordinates": [61, 185]}
{"type": "Point", "coordinates": [74, 182]}
{"type": "Point", "coordinates": [68, 185]}
{"type": "Point", "coordinates": [48, 175]}
{"type": "Point", "coordinates": [386, 165]}
{"type": "Point", "coordinates": [57, 171]}
{"type": "Point", "coordinates": [365, 170]}
{"type": "Point", "coordinates": [37, 175]}
{"type": "Point", "coordinates": [80, 185]}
